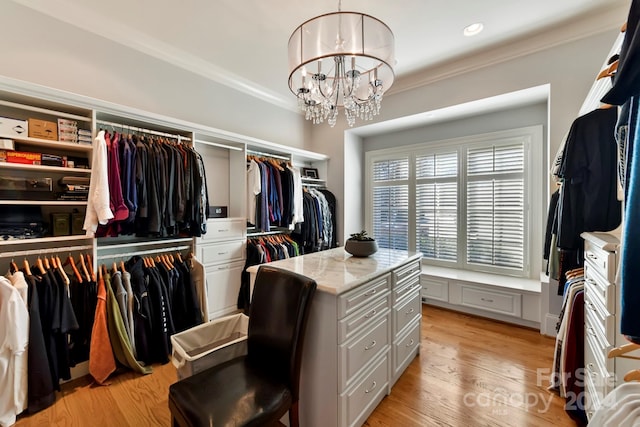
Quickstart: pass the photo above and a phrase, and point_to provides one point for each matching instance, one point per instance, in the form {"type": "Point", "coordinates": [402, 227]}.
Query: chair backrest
{"type": "Point", "coordinates": [277, 322]}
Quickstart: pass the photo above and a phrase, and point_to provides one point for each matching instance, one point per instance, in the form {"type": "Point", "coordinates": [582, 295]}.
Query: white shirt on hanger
{"type": "Point", "coordinates": [14, 341]}
{"type": "Point", "coordinates": [254, 187]}
{"type": "Point", "coordinates": [98, 207]}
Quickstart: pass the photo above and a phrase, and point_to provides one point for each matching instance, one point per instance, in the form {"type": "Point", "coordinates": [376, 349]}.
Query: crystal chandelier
{"type": "Point", "coordinates": [341, 59]}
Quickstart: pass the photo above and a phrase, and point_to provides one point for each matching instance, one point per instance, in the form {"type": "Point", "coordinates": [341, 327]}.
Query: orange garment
{"type": "Point", "coordinates": [101, 360]}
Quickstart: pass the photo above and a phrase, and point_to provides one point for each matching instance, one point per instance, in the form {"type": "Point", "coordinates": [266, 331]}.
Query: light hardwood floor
{"type": "Point", "coordinates": [470, 372]}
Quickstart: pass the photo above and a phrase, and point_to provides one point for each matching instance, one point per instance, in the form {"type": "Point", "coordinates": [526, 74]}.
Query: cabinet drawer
{"type": "Point", "coordinates": [404, 349]}
{"type": "Point", "coordinates": [434, 288]}
{"type": "Point", "coordinates": [407, 285]}
{"type": "Point", "coordinates": [358, 403]}
{"type": "Point", "coordinates": [358, 297]}
{"type": "Point", "coordinates": [604, 262]}
{"type": "Point", "coordinates": [602, 380]}
{"type": "Point", "coordinates": [223, 285]}
{"type": "Point", "coordinates": [402, 273]}
{"type": "Point", "coordinates": [605, 321]}
{"type": "Point", "coordinates": [352, 324]}
{"type": "Point", "coordinates": [591, 398]}
{"type": "Point", "coordinates": [224, 229]}
{"type": "Point", "coordinates": [407, 311]}
{"type": "Point", "coordinates": [604, 291]}
{"type": "Point", "coordinates": [601, 344]}
{"type": "Point", "coordinates": [357, 353]}
{"type": "Point", "coordinates": [221, 252]}
{"type": "Point", "coordinates": [490, 300]}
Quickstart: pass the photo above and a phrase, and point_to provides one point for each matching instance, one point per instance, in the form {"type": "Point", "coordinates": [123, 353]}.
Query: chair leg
{"type": "Point", "coordinates": [293, 415]}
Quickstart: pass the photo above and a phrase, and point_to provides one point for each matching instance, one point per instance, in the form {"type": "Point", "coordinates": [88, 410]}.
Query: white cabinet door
{"type": "Point", "coordinates": [223, 285]}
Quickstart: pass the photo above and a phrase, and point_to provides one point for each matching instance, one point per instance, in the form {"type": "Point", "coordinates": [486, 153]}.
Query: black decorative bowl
{"type": "Point", "coordinates": [361, 248]}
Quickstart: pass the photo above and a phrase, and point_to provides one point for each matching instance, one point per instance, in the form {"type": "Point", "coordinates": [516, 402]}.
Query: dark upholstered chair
{"type": "Point", "coordinates": [259, 388]}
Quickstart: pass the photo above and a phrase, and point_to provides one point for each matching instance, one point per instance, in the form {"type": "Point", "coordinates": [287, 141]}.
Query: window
{"type": "Point", "coordinates": [461, 203]}
{"type": "Point", "coordinates": [391, 203]}
{"type": "Point", "coordinates": [495, 206]}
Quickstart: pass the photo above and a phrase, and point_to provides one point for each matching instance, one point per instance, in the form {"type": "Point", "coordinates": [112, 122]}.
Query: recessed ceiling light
{"type": "Point", "coordinates": [473, 29]}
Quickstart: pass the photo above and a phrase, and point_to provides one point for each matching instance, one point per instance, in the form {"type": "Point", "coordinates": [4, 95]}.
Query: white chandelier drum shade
{"type": "Point", "coordinates": [341, 60]}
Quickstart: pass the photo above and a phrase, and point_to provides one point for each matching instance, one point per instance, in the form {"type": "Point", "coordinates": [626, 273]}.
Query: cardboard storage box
{"type": "Point", "coordinates": [21, 157]}
{"type": "Point", "coordinates": [209, 344]}
{"type": "Point", "coordinates": [43, 129]}
{"type": "Point", "coordinates": [13, 127]}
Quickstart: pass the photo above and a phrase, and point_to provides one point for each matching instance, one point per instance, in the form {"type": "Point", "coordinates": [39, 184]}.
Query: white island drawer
{"type": "Point", "coordinates": [407, 311]}
{"type": "Point", "coordinates": [358, 297]}
{"type": "Point", "coordinates": [405, 271]}
{"type": "Point", "coordinates": [357, 353]}
{"type": "Point", "coordinates": [352, 324]}
{"type": "Point", "coordinates": [358, 403]}
{"type": "Point", "coordinates": [404, 348]}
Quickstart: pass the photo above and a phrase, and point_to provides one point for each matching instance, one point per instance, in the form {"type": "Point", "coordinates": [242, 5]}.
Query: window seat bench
{"type": "Point", "coordinates": [509, 299]}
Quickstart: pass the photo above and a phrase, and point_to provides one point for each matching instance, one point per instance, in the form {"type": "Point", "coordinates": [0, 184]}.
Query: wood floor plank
{"type": "Point", "coordinates": [470, 372]}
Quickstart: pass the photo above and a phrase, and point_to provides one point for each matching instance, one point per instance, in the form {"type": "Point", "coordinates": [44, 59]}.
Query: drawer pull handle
{"type": "Point", "coordinates": [371, 292]}
{"type": "Point", "coordinates": [372, 313]}
{"type": "Point", "coordinates": [591, 331]}
{"type": "Point", "coordinates": [486, 299]}
{"type": "Point", "coordinates": [591, 306]}
{"type": "Point", "coordinates": [410, 343]}
{"type": "Point", "coordinates": [370, 346]}
{"type": "Point", "coordinates": [222, 253]}
{"type": "Point", "coordinates": [223, 230]}
{"type": "Point", "coordinates": [591, 256]}
{"type": "Point", "coordinates": [226, 267]}
{"type": "Point", "coordinates": [590, 367]}
{"type": "Point", "coordinates": [369, 390]}
{"type": "Point", "coordinates": [410, 311]}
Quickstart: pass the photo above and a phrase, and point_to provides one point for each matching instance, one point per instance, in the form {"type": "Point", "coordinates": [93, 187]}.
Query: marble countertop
{"type": "Point", "coordinates": [336, 271]}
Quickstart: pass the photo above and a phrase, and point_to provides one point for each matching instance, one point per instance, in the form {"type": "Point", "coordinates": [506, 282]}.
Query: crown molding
{"type": "Point", "coordinates": [596, 22]}
{"type": "Point", "coordinates": [87, 20]}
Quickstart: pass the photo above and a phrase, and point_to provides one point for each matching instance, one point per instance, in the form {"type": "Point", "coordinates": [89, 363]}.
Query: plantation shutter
{"type": "Point", "coordinates": [391, 203]}
{"type": "Point", "coordinates": [495, 206]}
{"type": "Point", "coordinates": [437, 206]}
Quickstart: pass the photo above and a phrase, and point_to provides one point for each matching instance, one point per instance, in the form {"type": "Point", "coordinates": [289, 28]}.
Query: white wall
{"type": "Point", "coordinates": [570, 70]}
{"type": "Point", "coordinates": [42, 50]}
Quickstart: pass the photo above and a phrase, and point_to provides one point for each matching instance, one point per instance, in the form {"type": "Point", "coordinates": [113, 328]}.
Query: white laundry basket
{"type": "Point", "coordinates": [209, 344]}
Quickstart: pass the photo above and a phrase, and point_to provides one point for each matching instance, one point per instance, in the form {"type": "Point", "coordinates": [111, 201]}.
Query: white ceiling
{"type": "Point", "coordinates": [243, 43]}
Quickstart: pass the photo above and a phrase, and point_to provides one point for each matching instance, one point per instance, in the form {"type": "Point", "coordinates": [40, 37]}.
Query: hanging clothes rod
{"type": "Point", "coordinates": [275, 156]}
{"type": "Point", "coordinates": [143, 243]}
{"type": "Point", "coordinates": [149, 131]}
{"type": "Point", "coordinates": [45, 251]}
{"type": "Point", "coordinates": [216, 144]}
{"type": "Point", "coordinates": [266, 233]}
{"type": "Point", "coordinates": [141, 253]}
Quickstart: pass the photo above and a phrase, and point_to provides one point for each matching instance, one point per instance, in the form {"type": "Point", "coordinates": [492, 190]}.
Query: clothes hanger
{"type": "Point", "coordinates": [41, 266]}
{"type": "Point", "coordinates": [179, 257]}
{"type": "Point", "coordinates": [609, 71]}
{"type": "Point", "coordinates": [46, 263]}
{"type": "Point", "coordinates": [622, 351]}
{"type": "Point", "coordinates": [71, 262]}
{"type": "Point", "coordinates": [13, 267]}
{"type": "Point", "coordinates": [84, 268]}
{"type": "Point", "coordinates": [122, 267]}
{"type": "Point", "coordinates": [623, 29]}
{"type": "Point", "coordinates": [633, 375]}
{"type": "Point", "coordinates": [61, 270]}
{"type": "Point", "coordinates": [27, 268]}
{"type": "Point", "coordinates": [90, 267]}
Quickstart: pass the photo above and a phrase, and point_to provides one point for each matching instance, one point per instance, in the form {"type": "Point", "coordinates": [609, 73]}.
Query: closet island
{"type": "Point", "coordinates": [363, 331]}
